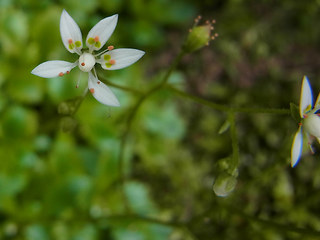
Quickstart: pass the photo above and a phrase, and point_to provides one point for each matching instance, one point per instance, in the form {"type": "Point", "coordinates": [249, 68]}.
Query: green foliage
{"type": "Point", "coordinates": [200, 147]}
{"type": "Point", "coordinates": [295, 112]}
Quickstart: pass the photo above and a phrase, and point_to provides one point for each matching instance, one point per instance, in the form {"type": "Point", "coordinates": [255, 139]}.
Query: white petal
{"type": "Point", "coordinates": [296, 147]}
{"type": "Point", "coordinates": [317, 103]}
{"type": "Point", "coordinates": [306, 96]}
{"type": "Point", "coordinates": [311, 125]}
{"type": "Point", "coordinates": [101, 32]}
{"type": "Point", "coordinates": [310, 139]}
{"type": "Point", "coordinates": [123, 57]}
{"type": "Point", "coordinates": [101, 92]}
{"type": "Point", "coordinates": [70, 33]}
{"type": "Point", "coordinates": [52, 69]}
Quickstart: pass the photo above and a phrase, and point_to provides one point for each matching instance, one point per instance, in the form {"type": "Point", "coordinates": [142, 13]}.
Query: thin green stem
{"type": "Point", "coordinates": [277, 226]}
{"type": "Point", "coordinates": [70, 107]}
{"type": "Point", "coordinates": [157, 87]}
{"type": "Point", "coordinates": [234, 141]}
{"type": "Point", "coordinates": [235, 211]}
{"type": "Point", "coordinates": [124, 88]}
{"type": "Point", "coordinates": [261, 110]}
{"type": "Point", "coordinates": [196, 99]}
{"type": "Point", "coordinates": [172, 67]}
{"type": "Point", "coordinates": [131, 117]}
{"type": "Point", "coordinates": [225, 108]}
{"type": "Point", "coordinates": [216, 106]}
{"type": "Point", "coordinates": [79, 101]}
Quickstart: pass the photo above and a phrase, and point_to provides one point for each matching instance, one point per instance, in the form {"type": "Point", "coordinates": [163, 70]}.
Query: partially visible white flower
{"type": "Point", "coordinates": [109, 59]}
{"type": "Point", "coordinates": [310, 121]}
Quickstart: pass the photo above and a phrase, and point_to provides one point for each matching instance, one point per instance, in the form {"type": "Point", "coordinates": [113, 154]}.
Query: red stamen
{"type": "Point", "coordinates": [96, 39]}
{"type": "Point", "coordinates": [91, 90]}
{"type": "Point", "coordinates": [98, 82]}
{"type": "Point", "coordinates": [61, 74]}
{"type": "Point", "coordinates": [68, 72]}
{"type": "Point", "coordinates": [300, 124]}
{"type": "Point", "coordinates": [82, 64]}
{"type": "Point", "coordinates": [110, 48]}
{"type": "Point", "coordinates": [70, 41]}
{"type": "Point", "coordinates": [112, 61]}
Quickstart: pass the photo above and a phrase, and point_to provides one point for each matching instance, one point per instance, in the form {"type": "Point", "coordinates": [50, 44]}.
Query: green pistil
{"type": "Point", "coordinates": [108, 65]}
{"type": "Point", "coordinates": [71, 46]}
{"type": "Point", "coordinates": [91, 41]}
{"type": "Point", "coordinates": [78, 44]}
{"type": "Point", "coordinates": [107, 57]}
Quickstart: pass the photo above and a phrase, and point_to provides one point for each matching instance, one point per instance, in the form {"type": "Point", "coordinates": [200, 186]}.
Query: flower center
{"type": "Point", "coordinates": [86, 62]}
{"type": "Point", "coordinates": [311, 125]}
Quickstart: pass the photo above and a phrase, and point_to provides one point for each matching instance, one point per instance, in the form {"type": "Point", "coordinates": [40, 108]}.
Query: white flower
{"type": "Point", "coordinates": [310, 121]}
{"type": "Point", "coordinates": [109, 59]}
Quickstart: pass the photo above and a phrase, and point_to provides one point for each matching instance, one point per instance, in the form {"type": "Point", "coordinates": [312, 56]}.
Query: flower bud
{"type": "Point", "coordinates": [199, 36]}
{"type": "Point", "coordinates": [224, 184]}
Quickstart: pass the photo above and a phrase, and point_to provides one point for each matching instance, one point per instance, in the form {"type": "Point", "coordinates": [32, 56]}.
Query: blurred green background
{"type": "Point", "coordinates": [59, 174]}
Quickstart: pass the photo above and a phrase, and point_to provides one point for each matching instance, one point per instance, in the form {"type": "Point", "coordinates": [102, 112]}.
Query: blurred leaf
{"type": "Point", "coordinates": [175, 11]}
{"type": "Point", "coordinates": [36, 232]}
{"type": "Point", "coordinates": [165, 123]}
{"type": "Point", "coordinates": [19, 122]}
{"type": "Point", "coordinates": [88, 232]}
{"type": "Point", "coordinates": [30, 91]}
{"type": "Point", "coordinates": [139, 198]}
{"type": "Point", "coordinates": [142, 231]}
{"type": "Point", "coordinates": [16, 26]}
{"type": "Point", "coordinates": [112, 6]}
{"type": "Point", "coordinates": [295, 112]}
{"type": "Point", "coordinates": [42, 143]}
{"type": "Point", "coordinates": [80, 5]}
{"type": "Point", "coordinates": [127, 234]}
{"type": "Point", "coordinates": [225, 126]}
{"type": "Point", "coordinates": [29, 160]}
{"type": "Point", "coordinates": [45, 31]}
{"type": "Point", "coordinates": [143, 33]}
{"type": "Point", "coordinates": [11, 185]}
